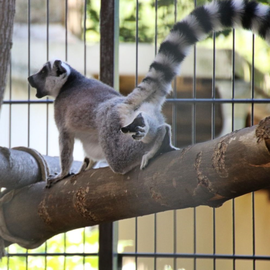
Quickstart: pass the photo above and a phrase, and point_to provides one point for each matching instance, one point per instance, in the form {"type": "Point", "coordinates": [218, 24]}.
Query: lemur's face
{"type": "Point", "coordinates": [50, 78]}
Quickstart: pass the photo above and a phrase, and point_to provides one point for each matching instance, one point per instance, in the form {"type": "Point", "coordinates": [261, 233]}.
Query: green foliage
{"type": "Point", "coordinates": [152, 15]}
{"type": "Point", "coordinates": [76, 241]}
{"type": "Point", "coordinates": [264, 1]}
{"type": "Point", "coordinates": [166, 16]}
{"type": "Point", "coordinates": [127, 19]}
{"type": "Point", "coordinates": [153, 26]}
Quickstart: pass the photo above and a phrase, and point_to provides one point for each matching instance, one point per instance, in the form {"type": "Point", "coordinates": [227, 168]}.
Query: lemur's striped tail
{"type": "Point", "coordinates": [214, 16]}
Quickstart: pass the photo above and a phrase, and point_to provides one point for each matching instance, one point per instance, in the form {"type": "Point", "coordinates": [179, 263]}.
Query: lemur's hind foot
{"type": "Point", "coordinates": [53, 179]}
{"type": "Point", "coordinates": [137, 128]}
{"type": "Point", "coordinates": [161, 145]}
{"type": "Point", "coordinates": [87, 165]}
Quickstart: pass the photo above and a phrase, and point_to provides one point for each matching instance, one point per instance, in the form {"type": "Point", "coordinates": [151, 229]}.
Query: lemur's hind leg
{"type": "Point", "coordinates": [146, 129]}
{"type": "Point", "coordinates": [162, 140]}
{"type": "Point", "coordinates": [143, 128]}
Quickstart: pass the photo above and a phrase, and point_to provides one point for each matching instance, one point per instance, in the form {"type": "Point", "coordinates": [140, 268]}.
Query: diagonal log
{"type": "Point", "coordinates": [22, 166]}
{"type": "Point", "coordinates": [208, 173]}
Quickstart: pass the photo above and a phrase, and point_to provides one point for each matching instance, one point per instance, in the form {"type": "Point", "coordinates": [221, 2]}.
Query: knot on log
{"type": "Point", "coordinates": [263, 132]}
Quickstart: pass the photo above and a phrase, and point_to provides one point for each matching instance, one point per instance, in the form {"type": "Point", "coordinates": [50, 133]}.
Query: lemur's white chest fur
{"type": "Point", "coordinates": [91, 145]}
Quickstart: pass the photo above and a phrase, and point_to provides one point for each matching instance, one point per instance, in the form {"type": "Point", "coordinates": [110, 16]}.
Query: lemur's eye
{"type": "Point", "coordinates": [43, 70]}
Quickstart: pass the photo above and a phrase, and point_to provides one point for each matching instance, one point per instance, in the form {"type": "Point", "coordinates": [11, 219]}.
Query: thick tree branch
{"type": "Point", "coordinates": [208, 173]}
{"type": "Point", "coordinates": [23, 166]}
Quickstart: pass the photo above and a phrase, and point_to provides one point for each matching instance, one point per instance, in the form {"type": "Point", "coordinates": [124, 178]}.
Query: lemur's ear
{"type": "Point", "coordinates": [58, 67]}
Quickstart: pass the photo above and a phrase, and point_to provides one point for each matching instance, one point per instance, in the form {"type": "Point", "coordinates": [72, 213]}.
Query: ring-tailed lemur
{"type": "Point", "coordinates": [99, 116]}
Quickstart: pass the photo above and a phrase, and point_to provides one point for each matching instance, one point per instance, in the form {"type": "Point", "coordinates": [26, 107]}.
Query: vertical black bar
{"type": "Point", "coordinates": [47, 59]}
{"type": "Point", "coordinates": [233, 76]}
{"type": "Point", "coordinates": [136, 83]}
{"type": "Point", "coordinates": [29, 67]}
{"type": "Point", "coordinates": [28, 106]}
{"type": "Point", "coordinates": [194, 94]}
{"type": "Point", "coordinates": [47, 106]}
{"type": "Point", "coordinates": [252, 80]}
{"type": "Point", "coordinates": [252, 122]}
{"type": "Point", "coordinates": [233, 95]}
{"type": "Point", "coordinates": [84, 242]}
{"type": "Point", "coordinates": [194, 239]}
{"type": "Point", "coordinates": [10, 97]}
{"type": "Point", "coordinates": [136, 242]}
{"type": "Point", "coordinates": [7, 259]}
{"type": "Point", "coordinates": [137, 41]}
{"type": "Point", "coordinates": [10, 123]}
{"type": "Point", "coordinates": [107, 71]}
{"type": "Point", "coordinates": [156, 25]}
{"type": "Point", "coordinates": [193, 141]}
{"type": "Point", "coordinates": [106, 249]}
{"type": "Point", "coordinates": [174, 121]}
{"type": "Point", "coordinates": [84, 35]}
{"type": "Point", "coordinates": [119, 261]}
{"type": "Point", "coordinates": [66, 30]}
{"type": "Point", "coordinates": [47, 29]}
{"type": "Point", "coordinates": [66, 59]}
{"type": "Point", "coordinates": [155, 241]}
{"type": "Point", "coordinates": [107, 42]}
{"type": "Point", "coordinates": [155, 215]}
{"type": "Point", "coordinates": [84, 72]}
{"type": "Point", "coordinates": [65, 251]}
{"type": "Point", "coordinates": [212, 137]}
{"type": "Point", "coordinates": [213, 131]}
{"type": "Point", "coordinates": [174, 106]}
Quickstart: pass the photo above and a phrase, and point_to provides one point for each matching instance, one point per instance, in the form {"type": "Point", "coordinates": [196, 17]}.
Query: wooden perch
{"type": "Point", "coordinates": [207, 173]}
{"type": "Point", "coordinates": [22, 166]}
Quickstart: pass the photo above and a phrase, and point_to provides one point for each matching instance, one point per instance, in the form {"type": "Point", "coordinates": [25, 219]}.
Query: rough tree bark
{"type": "Point", "coordinates": [208, 173]}
{"type": "Point", "coordinates": [7, 12]}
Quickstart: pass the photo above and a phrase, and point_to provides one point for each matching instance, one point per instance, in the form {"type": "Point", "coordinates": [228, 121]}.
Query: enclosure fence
{"type": "Point", "coordinates": [219, 91]}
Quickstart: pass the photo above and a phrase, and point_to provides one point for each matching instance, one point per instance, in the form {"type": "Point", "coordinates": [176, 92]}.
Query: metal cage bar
{"type": "Point", "coordinates": [108, 254]}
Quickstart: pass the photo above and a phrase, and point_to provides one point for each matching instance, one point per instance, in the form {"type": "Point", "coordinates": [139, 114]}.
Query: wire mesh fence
{"type": "Point", "coordinates": [219, 91]}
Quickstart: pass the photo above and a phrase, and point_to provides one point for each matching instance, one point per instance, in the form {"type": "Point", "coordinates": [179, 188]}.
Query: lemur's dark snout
{"type": "Point", "coordinates": [31, 80]}
{"type": "Point", "coordinates": [38, 95]}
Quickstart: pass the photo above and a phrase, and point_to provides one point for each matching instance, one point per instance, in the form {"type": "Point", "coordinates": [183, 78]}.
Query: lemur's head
{"type": "Point", "coordinates": [50, 78]}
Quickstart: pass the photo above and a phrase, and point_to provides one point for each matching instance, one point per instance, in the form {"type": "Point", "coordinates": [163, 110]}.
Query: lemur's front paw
{"type": "Point", "coordinates": [53, 179]}
{"type": "Point", "coordinates": [137, 128]}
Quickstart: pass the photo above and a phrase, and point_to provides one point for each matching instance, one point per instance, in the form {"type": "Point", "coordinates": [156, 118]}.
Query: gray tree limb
{"type": "Point", "coordinates": [208, 173]}
{"type": "Point", "coordinates": [7, 13]}
{"type": "Point", "coordinates": [23, 166]}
